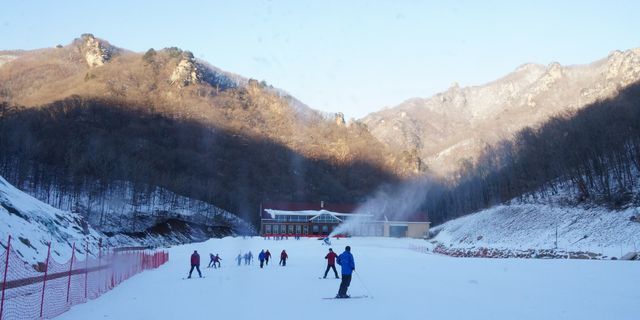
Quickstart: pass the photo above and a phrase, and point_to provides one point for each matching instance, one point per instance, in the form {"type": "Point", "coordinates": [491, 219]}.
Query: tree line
{"type": "Point", "coordinates": [78, 143]}
{"type": "Point", "coordinates": [593, 152]}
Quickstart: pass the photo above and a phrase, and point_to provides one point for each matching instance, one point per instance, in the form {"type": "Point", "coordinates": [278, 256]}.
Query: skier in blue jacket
{"type": "Point", "coordinates": [348, 266]}
{"type": "Point", "coordinates": [261, 257]}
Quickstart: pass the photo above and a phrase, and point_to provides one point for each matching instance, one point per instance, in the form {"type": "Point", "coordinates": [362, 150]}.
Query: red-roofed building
{"type": "Point", "coordinates": [321, 219]}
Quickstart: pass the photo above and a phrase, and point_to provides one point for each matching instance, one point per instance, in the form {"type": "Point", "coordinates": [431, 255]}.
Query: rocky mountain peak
{"type": "Point", "coordinates": [454, 96]}
{"type": "Point", "coordinates": [95, 51]}
{"type": "Point", "coordinates": [339, 119]}
{"type": "Point", "coordinates": [624, 65]}
{"type": "Point", "coordinates": [529, 67]}
{"type": "Point", "coordinates": [551, 76]}
{"type": "Point", "coordinates": [187, 71]}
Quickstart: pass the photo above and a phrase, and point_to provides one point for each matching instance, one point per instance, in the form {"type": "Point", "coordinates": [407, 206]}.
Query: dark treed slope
{"type": "Point", "coordinates": [90, 111]}
{"type": "Point", "coordinates": [593, 152]}
{"type": "Point", "coordinates": [74, 141]}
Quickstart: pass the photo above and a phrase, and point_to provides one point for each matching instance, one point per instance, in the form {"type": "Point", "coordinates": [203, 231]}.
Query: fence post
{"type": "Point", "coordinates": [101, 271]}
{"type": "Point", "coordinates": [44, 282]}
{"type": "Point", "coordinates": [73, 254]}
{"type": "Point", "coordinates": [86, 269]}
{"type": "Point", "coordinates": [6, 270]}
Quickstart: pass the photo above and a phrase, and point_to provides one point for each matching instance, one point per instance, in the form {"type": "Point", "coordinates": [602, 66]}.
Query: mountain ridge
{"type": "Point", "coordinates": [173, 81]}
{"type": "Point", "coordinates": [457, 124]}
{"type": "Point", "coordinates": [89, 113]}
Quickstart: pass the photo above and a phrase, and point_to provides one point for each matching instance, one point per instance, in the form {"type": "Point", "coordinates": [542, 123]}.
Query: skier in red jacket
{"type": "Point", "coordinates": [267, 256]}
{"type": "Point", "coordinates": [331, 263]}
{"type": "Point", "coordinates": [195, 263]}
{"type": "Point", "coordinates": [283, 258]}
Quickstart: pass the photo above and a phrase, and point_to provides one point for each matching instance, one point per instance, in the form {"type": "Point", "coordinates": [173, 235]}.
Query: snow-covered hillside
{"type": "Point", "coordinates": [123, 207]}
{"type": "Point", "coordinates": [33, 224]}
{"type": "Point", "coordinates": [524, 226]}
{"type": "Point", "coordinates": [403, 284]}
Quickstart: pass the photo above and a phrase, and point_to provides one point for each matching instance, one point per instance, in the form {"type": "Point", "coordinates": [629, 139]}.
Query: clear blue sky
{"type": "Point", "coordinates": [349, 56]}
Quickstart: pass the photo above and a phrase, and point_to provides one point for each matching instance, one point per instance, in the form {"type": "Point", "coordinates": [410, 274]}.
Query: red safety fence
{"type": "Point", "coordinates": [268, 236]}
{"type": "Point", "coordinates": [28, 293]}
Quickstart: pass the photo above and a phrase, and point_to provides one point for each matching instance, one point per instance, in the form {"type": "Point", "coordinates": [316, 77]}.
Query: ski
{"type": "Point", "coordinates": [193, 278]}
{"type": "Point", "coordinates": [350, 297]}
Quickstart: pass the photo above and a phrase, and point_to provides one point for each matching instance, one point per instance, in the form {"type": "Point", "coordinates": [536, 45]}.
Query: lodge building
{"type": "Point", "coordinates": [320, 219]}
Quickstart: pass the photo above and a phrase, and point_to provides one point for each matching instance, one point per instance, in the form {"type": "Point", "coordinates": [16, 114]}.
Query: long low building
{"type": "Point", "coordinates": [320, 219]}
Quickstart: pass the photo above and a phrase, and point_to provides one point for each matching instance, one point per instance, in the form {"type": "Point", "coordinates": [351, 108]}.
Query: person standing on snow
{"type": "Point", "coordinates": [239, 259]}
{"type": "Point", "coordinates": [331, 263]}
{"type": "Point", "coordinates": [195, 263]}
{"type": "Point", "coordinates": [283, 258]}
{"type": "Point", "coordinates": [216, 259]}
{"type": "Point", "coordinates": [261, 258]}
{"type": "Point", "coordinates": [212, 259]}
{"type": "Point", "coordinates": [250, 255]}
{"type": "Point", "coordinates": [267, 256]}
{"type": "Point", "coordinates": [345, 260]}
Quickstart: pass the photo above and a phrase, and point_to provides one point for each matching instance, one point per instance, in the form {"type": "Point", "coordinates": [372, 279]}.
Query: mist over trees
{"type": "Point", "coordinates": [593, 152]}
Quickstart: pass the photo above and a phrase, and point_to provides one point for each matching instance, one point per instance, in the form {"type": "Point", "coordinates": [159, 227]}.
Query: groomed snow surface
{"type": "Point", "coordinates": [404, 284]}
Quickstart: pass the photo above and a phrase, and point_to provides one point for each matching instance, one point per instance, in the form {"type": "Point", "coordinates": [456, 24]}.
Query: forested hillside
{"type": "Point", "coordinates": [592, 156]}
{"type": "Point", "coordinates": [90, 116]}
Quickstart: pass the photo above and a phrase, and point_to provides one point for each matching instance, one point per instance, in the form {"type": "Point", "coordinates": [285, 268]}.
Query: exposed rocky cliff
{"type": "Point", "coordinates": [457, 124]}
{"type": "Point", "coordinates": [96, 52]}
{"type": "Point", "coordinates": [186, 72]}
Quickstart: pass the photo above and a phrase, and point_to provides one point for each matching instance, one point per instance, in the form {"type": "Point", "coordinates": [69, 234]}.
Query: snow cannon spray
{"type": "Point", "coordinates": [388, 203]}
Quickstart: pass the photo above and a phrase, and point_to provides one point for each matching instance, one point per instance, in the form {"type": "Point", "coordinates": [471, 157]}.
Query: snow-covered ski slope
{"type": "Point", "coordinates": [533, 226]}
{"type": "Point", "coordinates": [404, 284]}
{"type": "Point", "coordinates": [33, 224]}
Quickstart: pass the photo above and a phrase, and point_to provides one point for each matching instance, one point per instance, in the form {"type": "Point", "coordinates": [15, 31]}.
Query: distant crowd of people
{"type": "Point", "coordinates": [345, 260]}
{"type": "Point", "coordinates": [282, 237]}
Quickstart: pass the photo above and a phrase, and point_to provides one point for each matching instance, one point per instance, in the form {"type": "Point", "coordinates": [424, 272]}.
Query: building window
{"type": "Point", "coordinates": [325, 218]}
{"type": "Point", "coordinates": [315, 229]}
{"type": "Point", "coordinates": [298, 229]}
{"type": "Point", "coordinates": [267, 228]}
{"type": "Point", "coordinates": [305, 230]}
{"type": "Point", "coordinates": [325, 229]}
{"type": "Point", "coordinates": [290, 229]}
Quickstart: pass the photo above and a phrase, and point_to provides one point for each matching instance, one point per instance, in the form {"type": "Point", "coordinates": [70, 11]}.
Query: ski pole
{"type": "Point", "coordinates": [362, 282]}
